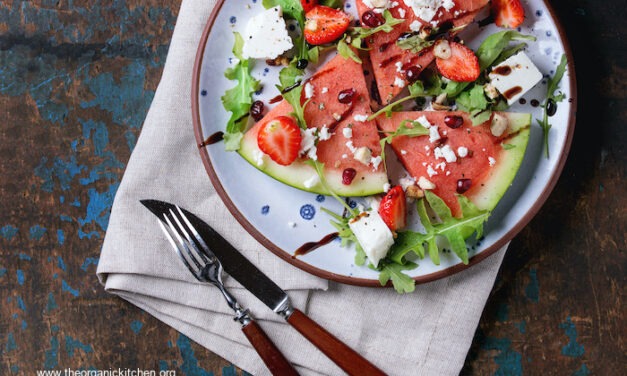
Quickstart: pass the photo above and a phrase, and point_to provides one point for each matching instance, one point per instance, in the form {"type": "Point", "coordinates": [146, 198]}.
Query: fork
{"type": "Point", "coordinates": [205, 267]}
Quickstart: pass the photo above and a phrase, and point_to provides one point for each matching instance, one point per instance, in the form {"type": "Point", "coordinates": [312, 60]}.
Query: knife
{"type": "Point", "coordinates": [249, 276]}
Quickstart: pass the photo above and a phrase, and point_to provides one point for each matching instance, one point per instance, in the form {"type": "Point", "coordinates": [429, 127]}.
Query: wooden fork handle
{"type": "Point", "coordinates": [267, 350]}
{"type": "Point", "coordinates": [342, 355]}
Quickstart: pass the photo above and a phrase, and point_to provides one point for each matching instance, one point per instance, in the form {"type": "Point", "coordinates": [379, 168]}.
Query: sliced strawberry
{"type": "Point", "coordinates": [324, 24]}
{"type": "Point", "coordinates": [392, 208]}
{"type": "Point", "coordinates": [280, 139]}
{"type": "Point", "coordinates": [308, 4]}
{"type": "Point", "coordinates": [508, 13]}
{"type": "Point", "coordinates": [461, 66]}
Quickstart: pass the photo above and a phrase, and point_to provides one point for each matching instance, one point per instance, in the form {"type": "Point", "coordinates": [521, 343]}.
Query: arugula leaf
{"type": "Point", "coordinates": [443, 224]}
{"type": "Point", "coordinates": [346, 235]}
{"type": "Point", "coordinates": [238, 99]}
{"type": "Point", "coordinates": [551, 101]}
{"type": "Point", "coordinates": [402, 282]}
{"type": "Point", "coordinates": [332, 3]}
{"type": "Point", "coordinates": [416, 129]}
{"type": "Point", "coordinates": [355, 35]}
{"type": "Point", "coordinates": [293, 10]}
{"type": "Point", "coordinates": [414, 43]}
{"type": "Point", "coordinates": [417, 89]}
{"type": "Point", "coordinates": [290, 78]}
{"type": "Point", "coordinates": [472, 99]}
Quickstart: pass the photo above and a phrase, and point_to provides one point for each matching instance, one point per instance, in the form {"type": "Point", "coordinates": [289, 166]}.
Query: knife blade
{"type": "Point", "coordinates": [255, 281]}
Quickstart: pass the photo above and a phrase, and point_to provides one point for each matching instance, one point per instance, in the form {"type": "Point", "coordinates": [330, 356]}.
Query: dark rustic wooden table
{"type": "Point", "coordinates": [76, 80]}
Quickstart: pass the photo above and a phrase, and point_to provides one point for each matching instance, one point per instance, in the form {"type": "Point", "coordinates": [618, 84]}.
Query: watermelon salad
{"type": "Point", "coordinates": [366, 88]}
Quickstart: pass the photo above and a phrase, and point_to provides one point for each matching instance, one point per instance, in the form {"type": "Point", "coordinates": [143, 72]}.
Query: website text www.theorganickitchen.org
{"type": "Point", "coordinates": [106, 372]}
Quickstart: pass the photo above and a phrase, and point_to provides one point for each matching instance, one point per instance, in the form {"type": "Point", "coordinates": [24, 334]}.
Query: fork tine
{"type": "Point", "coordinates": [183, 243]}
{"type": "Point", "coordinates": [176, 246]}
{"type": "Point", "coordinates": [183, 231]}
{"type": "Point", "coordinates": [197, 236]}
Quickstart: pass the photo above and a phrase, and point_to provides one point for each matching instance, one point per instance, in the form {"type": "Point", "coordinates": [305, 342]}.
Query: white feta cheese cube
{"type": "Point", "coordinates": [363, 155]}
{"type": "Point", "coordinates": [266, 35]}
{"type": "Point", "coordinates": [373, 235]}
{"type": "Point", "coordinates": [515, 76]}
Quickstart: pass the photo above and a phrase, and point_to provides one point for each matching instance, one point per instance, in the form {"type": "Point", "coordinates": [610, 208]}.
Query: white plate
{"type": "Point", "coordinates": [269, 209]}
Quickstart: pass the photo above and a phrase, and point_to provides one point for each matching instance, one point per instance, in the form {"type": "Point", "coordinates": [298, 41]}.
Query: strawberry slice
{"type": "Point", "coordinates": [280, 139]}
{"type": "Point", "coordinates": [392, 208]}
{"type": "Point", "coordinates": [325, 24]}
{"type": "Point", "coordinates": [308, 4]}
{"type": "Point", "coordinates": [461, 66]}
{"type": "Point", "coordinates": [508, 13]}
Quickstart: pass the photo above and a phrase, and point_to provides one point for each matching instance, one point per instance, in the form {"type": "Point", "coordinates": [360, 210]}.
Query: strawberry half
{"type": "Point", "coordinates": [508, 13]}
{"type": "Point", "coordinates": [392, 208]}
{"type": "Point", "coordinates": [324, 24]}
{"type": "Point", "coordinates": [461, 66]}
{"type": "Point", "coordinates": [308, 4]}
{"type": "Point", "coordinates": [280, 139]}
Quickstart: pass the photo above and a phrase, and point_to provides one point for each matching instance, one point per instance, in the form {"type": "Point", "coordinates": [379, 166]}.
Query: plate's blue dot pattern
{"type": "Point", "coordinates": [352, 204]}
{"type": "Point", "coordinates": [203, 93]}
{"type": "Point", "coordinates": [233, 19]}
{"type": "Point", "coordinates": [265, 209]}
{"type": "Point", "coordinates": [320, 198]}
{"type": "Point", "coordinates": [307, 211]}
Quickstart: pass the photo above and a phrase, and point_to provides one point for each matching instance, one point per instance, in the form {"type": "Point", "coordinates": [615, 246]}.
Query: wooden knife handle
{"type": "Point", "coordinates": [269, 353]}
{"type": "Point", "coordinates": [342, 355]}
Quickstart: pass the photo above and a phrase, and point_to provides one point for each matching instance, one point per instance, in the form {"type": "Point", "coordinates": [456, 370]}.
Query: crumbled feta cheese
{"type": "Point", "coordinates": [266, 35]}
{"type": "Point", "coordinates": [376, 161]}
{"type": "Point", "coordinates": [350, 146]}
{"type": "Point", "coordinates": [308, 143]}
{"type": "Point", "coordinates": [434, 135]}
{"type": "Point", "coordinates": [406, 181]}
{"type": "Point", "coordinates": [399, 66]}
{"type": "Point", "coordinates": [386, 188]}
{"type": "Point", "coordinates": [336, 116]}
{"type": "Point", "coordinates": [373, 235]}
{"type": "Point", "coordinates": [445, 152]}
{"type": "Point", "coordinates": [258, 156]}
{"type": "Point", "coordinates": [401, 13]}
{"type": "Point", "coordinates": [492, 161]}
{"type": "Point", "coordinates": [347, 132]}
{"type": "Point", "coordinates": [344, 156]}
{"type": "Point", "coordinates": [324, 133]}
{"type": "Point", "coordinates": [363, 155]}
{"type": "Point", "coordinates": [425, 183]}
{"type": "Point", "coordinates": [462, 151]}
{"type": "Point", "coordinates": [431, 171]}
{"type": "Point", "coordinates": [415, 26]}
{"type": "Point", "coordinates": [325, 90]}
{"type": "Point", "coordinates": [403, 152]}
{"type": "Point", "coordinates": [399, 82]}
{"type": "Point", "coordinates": [424, 122]}
{"type": "Point", "coordinates": [309, 90]}
{"type": "Point", "coordinates": [441, 166]}
{"type": "Point", "coordinates": [312, 181]}
{"type": "Point", "coordinates": [515, 76]}
{"type": "Point", "coordinates": [360, 118]}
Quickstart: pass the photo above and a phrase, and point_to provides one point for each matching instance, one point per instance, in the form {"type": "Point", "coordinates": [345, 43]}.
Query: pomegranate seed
{"type": "Point", "coordinates": [346, 96]}
{"type": "Point", "coordinates": [412, 73]}
{"type": "Point", "coordinates": [256, 110]}
{"type": "Point", "coordinates": [348, 175]}
{"type": "Point", "coordinates": [463, 185]}
{"type": "Point", "coordinates": [371, 19]}
{"type": "Point", "coordinates": [453, 121]}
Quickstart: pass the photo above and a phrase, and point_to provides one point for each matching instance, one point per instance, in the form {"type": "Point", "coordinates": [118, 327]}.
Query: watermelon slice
{"type": "Point", "coordinates": [484, 165]}
{"type": "Point", "coordinates": [388, 59]}
{"type": "Point", "coordinates": [324, 110]}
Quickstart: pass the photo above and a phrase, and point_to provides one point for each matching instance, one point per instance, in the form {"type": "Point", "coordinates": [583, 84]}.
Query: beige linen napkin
{"type": "Point", "coordinates": [424, 333]}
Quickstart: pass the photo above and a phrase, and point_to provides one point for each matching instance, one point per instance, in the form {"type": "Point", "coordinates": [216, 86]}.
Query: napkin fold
{"type": "Point", "coordinates": [426, 333]}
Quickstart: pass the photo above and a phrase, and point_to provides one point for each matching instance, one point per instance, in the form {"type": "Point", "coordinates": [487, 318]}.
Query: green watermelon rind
{"type": "Point", "coordinates": [366, 183]}
{"type": "Point", "coordinates": [508, 163]}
